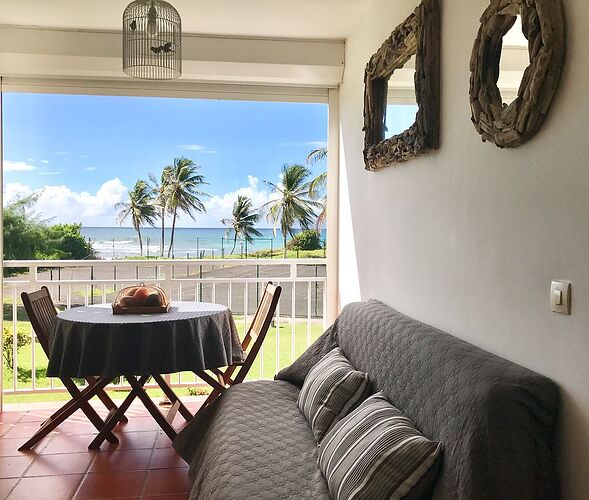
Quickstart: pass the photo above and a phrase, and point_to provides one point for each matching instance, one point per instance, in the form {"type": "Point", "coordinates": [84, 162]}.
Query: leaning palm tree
{"type": "Point", "coordinates": [182, 192]}
{"type": "Point", "coordinates": [294, 204]}
{"type": "Point", "coordinates": [140, 208]}
{"type": "Point", "coordinates": [318, 186]}
{"type": "Point", "coordinates": [242, 222]}
{"type": "Point", "coordinates": [159, 189]}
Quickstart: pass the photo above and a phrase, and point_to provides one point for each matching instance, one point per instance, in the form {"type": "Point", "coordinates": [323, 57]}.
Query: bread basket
{"type": "Point", "coordinates": [141, 299]}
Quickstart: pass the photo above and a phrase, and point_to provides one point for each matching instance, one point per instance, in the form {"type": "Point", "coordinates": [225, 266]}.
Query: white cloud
{"type": "Point", "coordinates": [220, 206]}
{"type": "Point", "coordinates": [198, 147]}
{"type": "Point", "coordinates": [56, 172]}
{"type": "Point", "coordinates": [18, 166]}
{"type": "Point", "coordinates": [62, 153]}
{"type": "Point", "coordinates": [64, 205]}
{"type": "Point", "coordinates": [91, 169]}
{"type": "Point", "coordinates": [45, 161]}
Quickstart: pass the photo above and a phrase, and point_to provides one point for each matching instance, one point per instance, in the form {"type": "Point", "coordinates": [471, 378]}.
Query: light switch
{"type": "Point", "coordinates": [560, 297]}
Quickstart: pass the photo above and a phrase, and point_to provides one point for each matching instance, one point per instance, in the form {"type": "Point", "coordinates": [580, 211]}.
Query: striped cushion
{"type": "Point", "coordinates": [331, 390]}
{"type": "Point", "coordinates": [375, 452]}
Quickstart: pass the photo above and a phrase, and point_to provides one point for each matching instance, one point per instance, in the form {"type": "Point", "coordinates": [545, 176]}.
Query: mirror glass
{"type": "Point", "coordinates": [515, 59]}
{"type": "Point", "coordinates": [401, 100]}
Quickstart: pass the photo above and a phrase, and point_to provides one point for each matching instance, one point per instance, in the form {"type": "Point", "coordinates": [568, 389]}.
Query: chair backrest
{"type": "Point", "coordinates": [258, 329]}
{"type": "Point", "coordinates": [42, 312]}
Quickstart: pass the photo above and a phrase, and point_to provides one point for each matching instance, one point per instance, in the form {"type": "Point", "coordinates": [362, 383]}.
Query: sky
{"type": "Point", "coordinates": [83, 153]}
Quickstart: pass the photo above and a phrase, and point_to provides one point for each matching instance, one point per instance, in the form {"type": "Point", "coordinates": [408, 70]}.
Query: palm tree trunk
{"type": "Point", "coordinates": [234, 244]}
{"type": "Point", "coordinates": [140, 241]}
{"type": "Point", "coordinates": [284, 235]}
{"type": "Point", "coordinates": [163, 215]}
{"type": "Point", "coordinates": [172, 234]}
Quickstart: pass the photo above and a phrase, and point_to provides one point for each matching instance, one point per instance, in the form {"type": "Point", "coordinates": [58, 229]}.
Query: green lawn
{"type": "Point", "coordinates": [265, 364]}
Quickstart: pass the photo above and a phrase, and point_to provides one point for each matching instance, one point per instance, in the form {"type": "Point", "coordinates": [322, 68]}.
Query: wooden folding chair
{"type": "Point", "coordinates": [42, 312]}
{"type": "Point", "coordinates": [253, 340]}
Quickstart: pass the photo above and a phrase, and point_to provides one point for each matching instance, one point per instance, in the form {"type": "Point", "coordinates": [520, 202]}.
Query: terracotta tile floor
{"type": "Point", "coordinates": [142, 465]}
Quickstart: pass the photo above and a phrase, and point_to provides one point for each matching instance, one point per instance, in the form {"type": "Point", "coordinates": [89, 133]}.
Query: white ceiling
{"type": "Point", "coordinates": [258, 18]}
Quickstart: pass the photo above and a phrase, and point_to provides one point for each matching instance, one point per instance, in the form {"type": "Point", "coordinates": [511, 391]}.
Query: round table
{"type": "Point", "coordinates": [192, 336]}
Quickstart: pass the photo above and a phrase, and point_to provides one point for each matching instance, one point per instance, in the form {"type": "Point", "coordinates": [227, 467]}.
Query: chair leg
{"type": "Point", "coordinates": [105, 398]}
{"type": "Point", "coordinates": [185, 412]}
{"type": "Point", "coordinates": [115, 417]}
{"type": "Point", "coordinates": [90, 412]}
{"type": "Point", "coordinates": [66, 411]}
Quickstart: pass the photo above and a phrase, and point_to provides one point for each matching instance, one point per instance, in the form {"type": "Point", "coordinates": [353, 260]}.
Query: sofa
{"type": "Point", "coordinates": [495, 419]}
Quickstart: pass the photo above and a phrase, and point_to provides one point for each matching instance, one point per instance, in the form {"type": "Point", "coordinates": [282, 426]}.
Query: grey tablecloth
{"type": "Point", "coordinates": [193, 336]}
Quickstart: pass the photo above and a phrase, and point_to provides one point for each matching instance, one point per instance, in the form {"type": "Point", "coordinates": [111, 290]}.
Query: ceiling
{"type": "Point", "coordinates": [256, 18]}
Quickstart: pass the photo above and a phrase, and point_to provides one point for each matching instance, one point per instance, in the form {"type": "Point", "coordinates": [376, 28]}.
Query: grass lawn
{"type": "Point", "coordinates": [264, 367]}
{"type": "Point", "coordinates": [258, 254]}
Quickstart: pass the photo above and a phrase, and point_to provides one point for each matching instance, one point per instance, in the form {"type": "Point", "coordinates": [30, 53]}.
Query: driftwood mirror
{"type": "Point", "coordinates": [415, 42]}
{"type": "Point", "coordinates": [511, 121]}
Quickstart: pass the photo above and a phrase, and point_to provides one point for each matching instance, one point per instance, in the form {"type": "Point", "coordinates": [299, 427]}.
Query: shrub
{"type": "Point", "coordinates": [305, 240]}
{"type": "Point", "coordinates": [22, 339]}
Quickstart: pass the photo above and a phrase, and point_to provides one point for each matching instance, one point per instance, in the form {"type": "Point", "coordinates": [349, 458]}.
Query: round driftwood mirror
{"type": "Point", "coordinates": [500, 113]}
{"type": "Point", "coordinates": [411, 125]}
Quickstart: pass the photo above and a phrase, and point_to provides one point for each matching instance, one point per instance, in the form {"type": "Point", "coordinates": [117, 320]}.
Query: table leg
{"type": "Point", "coordinates": [151, 407]}
{"type": "Point", "coordinates": [171, 395]}
{"type": "Point", "coordinates": [115, 417]}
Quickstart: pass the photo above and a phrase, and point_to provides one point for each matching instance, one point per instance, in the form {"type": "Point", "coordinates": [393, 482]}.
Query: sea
{"type": "Point", "coordinates": [122, 242]}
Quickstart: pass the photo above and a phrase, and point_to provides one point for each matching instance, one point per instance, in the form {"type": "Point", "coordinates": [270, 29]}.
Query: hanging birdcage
{"type": "Point", "coordinates": [152, 40]}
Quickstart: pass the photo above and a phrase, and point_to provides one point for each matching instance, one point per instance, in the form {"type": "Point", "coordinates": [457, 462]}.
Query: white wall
{"type": "Point", "coordinates": [468, 238]}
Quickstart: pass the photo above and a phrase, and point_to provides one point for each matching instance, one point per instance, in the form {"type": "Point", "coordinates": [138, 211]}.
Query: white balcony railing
{"type": "Point", "coordinates": [236, 283]}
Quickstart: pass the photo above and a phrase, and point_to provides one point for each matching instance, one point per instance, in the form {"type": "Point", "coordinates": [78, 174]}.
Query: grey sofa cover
{"type": "Point", "coordinates": [495, 419]}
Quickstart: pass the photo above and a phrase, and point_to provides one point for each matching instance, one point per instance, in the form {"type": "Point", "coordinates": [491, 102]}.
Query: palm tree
{"type": "Point", "coordinates": [294, 204]}
{"type": "Point", "coordinates": [182, 192]}
{"type": "Point", "coordinates": [316, 156]}
{"type": "Point", "coordinates": [318, 186]}
{"type": "Point", "coordinates": [140, 208]}
{"type": "Point", "coordinates": [159, 188]}
{"type": "Point", "coordinates": [242, 222]}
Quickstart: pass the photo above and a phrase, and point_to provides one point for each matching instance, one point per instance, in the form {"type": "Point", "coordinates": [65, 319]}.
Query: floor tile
{"type": "Point", "coordinates": [165, 481]}
{"type": "Point", "coordinates": [10, 416]}
{"type": "Point", "coordinates": [162, 441]}
{"type": "Point", "coordinates": [172, 496]}
{"type": "Point", "coordinates": [132, 441]}
{"type": "Point", "coordinates": [64, 443]}
{"type": "Point", "coordinates": [23, 430]}
{"type": "Point", "coordinates": [6, 486]}
{"type": "Point", "coordinates": [111, 485]}
{"type": "Point", "coordinates": [9, 447]}
{"type": "Point", "coordinates": [166, 458]}
{"type": "Point", "coordinates": [14, 466]}
{"type": "Point", "coordinates": [138, 424]}
{"type": "Point", "coordinates": [37, 415]}
{"type": "Point", "coordinates": [123, 460]}
{"type": "Point", "coordinates": [55, 465]}
{"type": "Point", "coordinates": [46, 488]}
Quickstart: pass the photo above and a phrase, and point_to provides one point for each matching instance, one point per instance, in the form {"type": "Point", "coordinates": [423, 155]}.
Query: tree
{"type": "Point", "coordinates": [318, 186]}
{"type": "Point", "coordinates": [316, 156]}
{"type": "Point", "coordinates": [182, 192]}
{"type": "Point", "coordinates": [27, 236]}
{"type": "Point", "coordinates": [293, 204]}
{"type": "Point", "coordinates": [242, 222]}
{"type": "Point", "coordinates": [159, 188]}
{"type": "Point", "coordinates": [140, 209]}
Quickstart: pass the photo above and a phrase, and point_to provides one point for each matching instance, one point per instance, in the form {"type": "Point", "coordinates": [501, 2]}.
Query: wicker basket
{"type": "Point", "coordinates": [141, 299]}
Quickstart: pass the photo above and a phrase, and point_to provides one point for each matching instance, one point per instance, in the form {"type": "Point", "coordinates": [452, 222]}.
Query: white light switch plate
{"type": "Point", "coordinates": [560, 297]}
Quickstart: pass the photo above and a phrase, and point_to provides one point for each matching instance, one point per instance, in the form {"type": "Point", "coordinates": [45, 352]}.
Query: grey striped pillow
{"type": "Point", "coordinates": [331, 390]}
{"type": "Point", "coordinates": [375, 452]}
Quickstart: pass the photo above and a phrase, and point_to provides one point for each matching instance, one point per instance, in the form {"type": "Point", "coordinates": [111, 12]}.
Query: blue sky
{"type": "Point", "coordinates": [85, 151]}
